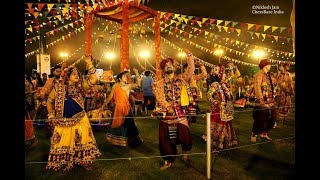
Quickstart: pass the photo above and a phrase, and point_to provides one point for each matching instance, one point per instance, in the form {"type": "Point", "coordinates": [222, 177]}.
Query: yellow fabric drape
{"type": "Point", "coordinates": [184, 96]}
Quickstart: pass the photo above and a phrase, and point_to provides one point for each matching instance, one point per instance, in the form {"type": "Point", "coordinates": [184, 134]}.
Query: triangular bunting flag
{"type": "Point", "coordinates": [257, 34]}
{"type": "Point", "coordinates": [238, 31]}
{"type": "Point", "coordinates": [175, 16]}
{"type": "Point", "coordinates": [212, 25]}
{"type": "Point", "coordinates": [251, 33]}
{"type": "Point", "coordinates": [288, 40]}
{"type": "Point", "coordinates": [204, 19]}
{"type": "Point", "coordinates": [36, 14]}
{"type": "Point", "coordinates": [49, 6]}
{"type": "Point", "coordinates": [162, 14]}
{"type": "Point", "coordinates": [66, 6]}
{"type": "Point", "coordinates": [212, 21]}
{"type": "Point", "coordinates": [179, 19]}
{"type": "Point", "coordinates": [263, 35]}
{"type": "Point", "coordinates": [250, 26]}
{"type": "Point", "coordinates": [183, 16]}
{"type": "Point", "coordinates": [104, 2]}
{"type": "Point", "coordinates": [40, 6]}
{"type": "Point", "coordinates": [276, 37]}
{"type": "Point", "coordinates": [190, 35]}
{"type": "Point", "coordinates": [64, 11]}
{"type": "Point", "coordinates": [225, 28]}
{"type": "Point", "coordinates": [185, 20]}
{"type": "Point", "coordinates": [190, 17]}
{"type": "Point", "coordinates": [234, 24]}
{"type": "Point", "coordinates": [265, 28]}
{"type": "Point", "coordinates": [206, 32]}
{"type": "Point", "coordinates": [231, 30]}
{"type": "Point", "coordinates": [219, 22]}
{"type": "Point", "coordinates": [95, 6]}
{"type": "Point", "coordinates": [219, 27]}
{"type": "Point", "coordinates": [199, 23]}
{"type": "Point", "coordinates": [71, 25]}
{"type": "Point", "coordinates": [273, 28]}
{"type": "Point", "coordinates": [183, 26]}
{"type": "Point", "coordinates": [282, 28]}
{"type": "Point", "coordinates": [31, 11]}
{"type": "Point", "coordinates": [226, 23]}
{"type": "Point", "coordinates": [211, 34]}
{"type": "Point", "coordinates": [257, 27]}
{"type": "Point", "coordinates": [30, 29]}
{"type": "Point", "coordinates": [36, 27]}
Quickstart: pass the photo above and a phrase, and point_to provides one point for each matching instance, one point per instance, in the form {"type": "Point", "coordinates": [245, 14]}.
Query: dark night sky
{"type": "Point", "coordinates": [232, 10]}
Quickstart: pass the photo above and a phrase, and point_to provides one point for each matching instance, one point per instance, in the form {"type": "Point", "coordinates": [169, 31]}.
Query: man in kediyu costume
{"type": "Point", "coordinates": [264, 112]}
{"type": "Point", "coordinates": [171, 95]}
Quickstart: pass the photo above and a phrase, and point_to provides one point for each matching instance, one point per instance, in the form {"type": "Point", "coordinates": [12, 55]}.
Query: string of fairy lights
{"type": "Point", "coordinates": [233, 42]}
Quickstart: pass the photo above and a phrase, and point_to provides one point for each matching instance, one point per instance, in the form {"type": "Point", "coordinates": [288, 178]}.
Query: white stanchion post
{"type": "Point", "coordinates": [208, 146]}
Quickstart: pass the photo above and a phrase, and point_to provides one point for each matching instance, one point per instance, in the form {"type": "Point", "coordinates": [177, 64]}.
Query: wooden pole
{"type": "Point", "coordinates": [208, 146]}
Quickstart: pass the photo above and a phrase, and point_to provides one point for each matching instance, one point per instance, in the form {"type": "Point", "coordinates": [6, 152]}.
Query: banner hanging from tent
{"type": "Point", "coordinates": [43, 63]}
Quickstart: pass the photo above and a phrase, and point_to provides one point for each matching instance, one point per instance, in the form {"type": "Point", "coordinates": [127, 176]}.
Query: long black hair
{"type": "Point", "coordinates": [119, 76]}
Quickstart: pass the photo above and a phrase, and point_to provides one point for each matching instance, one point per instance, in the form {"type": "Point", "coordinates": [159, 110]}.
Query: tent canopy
{"type": "Point", "coordinates": [136, 12]}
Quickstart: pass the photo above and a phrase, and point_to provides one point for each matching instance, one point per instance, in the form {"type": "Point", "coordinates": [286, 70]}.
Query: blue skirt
{"type": "Point", "coordinates": [126, 134]}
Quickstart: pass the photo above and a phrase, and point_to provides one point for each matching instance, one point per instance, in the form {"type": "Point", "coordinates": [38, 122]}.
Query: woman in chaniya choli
{"type": "Point", "coordinates": [286, 91]}
{"type": "Point", "coordinates": [222, 131]}
{"type": "Point", "coordinates": [123, 130]}
{"type": "Point", "coordinates": [72, 142]}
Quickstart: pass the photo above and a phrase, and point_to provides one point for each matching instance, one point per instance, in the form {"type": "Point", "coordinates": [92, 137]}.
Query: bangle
{"type": "Point", "coordinates": [49, 100]}
{"type": "Point", "coordinates": [89, 68]}
{"type": "Point", "coordinates": [51, 115]}
{"type": "Point", "coordinates": [89, 82]}
{"type": "Point", "coordinates": [92, 71]}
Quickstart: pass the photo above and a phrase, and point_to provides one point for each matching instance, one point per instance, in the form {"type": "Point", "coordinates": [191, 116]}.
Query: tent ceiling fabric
{"type": "Point", "coordinates": [135, 14]}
